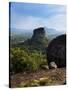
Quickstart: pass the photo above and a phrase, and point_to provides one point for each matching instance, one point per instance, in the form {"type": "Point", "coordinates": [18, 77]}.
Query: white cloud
{"type": "Point", "coordinates": [57, 22]}
{"type": "Point", "coordinates": [27, 23]}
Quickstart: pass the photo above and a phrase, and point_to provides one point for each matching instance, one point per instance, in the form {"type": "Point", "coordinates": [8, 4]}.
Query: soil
{"type": "Point", "coordinates": [57, 75]}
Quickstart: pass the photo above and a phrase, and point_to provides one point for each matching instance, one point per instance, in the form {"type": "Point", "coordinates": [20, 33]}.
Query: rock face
{"type": "Point", "coordinates": [38, 33]}
{"type": "Point", "coordinates": [56, 51]}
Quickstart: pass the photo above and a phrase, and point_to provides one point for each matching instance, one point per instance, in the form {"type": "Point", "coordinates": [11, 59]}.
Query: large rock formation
{"type": "Point", "coordinates": [38, 41]}
{"type": "Point", "coordinates": [56, 51]}
{"type": "Point", "coordinates": [38, 33]}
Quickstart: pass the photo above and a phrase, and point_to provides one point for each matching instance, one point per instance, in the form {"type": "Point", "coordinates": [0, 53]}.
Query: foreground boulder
{"type": "Point", "coordinates": [56, 51]}
{"type": "Point", "coordinates": [52, 65]}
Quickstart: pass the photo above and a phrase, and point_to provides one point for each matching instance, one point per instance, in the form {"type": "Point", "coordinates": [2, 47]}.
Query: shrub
{"type": "Point", "coordinates": [20, 60]}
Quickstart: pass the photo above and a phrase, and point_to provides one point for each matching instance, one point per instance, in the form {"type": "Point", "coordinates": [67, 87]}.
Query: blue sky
{"type": "Point", "coordinates": [27, 16]}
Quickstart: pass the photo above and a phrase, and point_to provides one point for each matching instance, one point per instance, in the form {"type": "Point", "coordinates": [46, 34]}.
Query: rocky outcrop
{"type": "Point", "coordinates": [38, 41]}
{"type": "Point", "coordinates": [56, 51]}
{"type": "Point", "coordinates": [38, 33]}
{"type": "Point", "coordinates": [52, 65]}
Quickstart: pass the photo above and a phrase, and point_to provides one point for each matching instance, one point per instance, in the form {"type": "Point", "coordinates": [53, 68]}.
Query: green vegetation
{"type": "Point", "coordinates": [21, 60]}
{"type": "Point", "coordinates": [39, 82]}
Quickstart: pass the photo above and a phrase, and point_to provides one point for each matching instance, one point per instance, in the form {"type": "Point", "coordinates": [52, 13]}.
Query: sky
{"type": "Point", "coordinates": [28, 16]}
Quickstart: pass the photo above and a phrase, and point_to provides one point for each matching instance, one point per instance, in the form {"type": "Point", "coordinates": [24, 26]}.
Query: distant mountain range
{"type": "Point", "coordinates": [50, 31]}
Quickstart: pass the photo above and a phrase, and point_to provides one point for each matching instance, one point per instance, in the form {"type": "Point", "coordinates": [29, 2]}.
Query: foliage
{"type": "Point", "coordinates": [39, 82]}
{"type": "Point", "coordinates": [21, 60]}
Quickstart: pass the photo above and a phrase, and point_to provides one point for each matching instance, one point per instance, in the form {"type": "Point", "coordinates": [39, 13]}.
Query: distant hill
{"type": "Point", "coordinates": [50, 31]}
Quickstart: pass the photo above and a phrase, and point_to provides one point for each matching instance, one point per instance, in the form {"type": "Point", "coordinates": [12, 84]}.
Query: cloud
{"type": "Point", "coordinates": [26, 22]}
{"type": "Point", "coordinates": [28, 16]}
{"type": "Point", "coordinates": [57, 22]}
